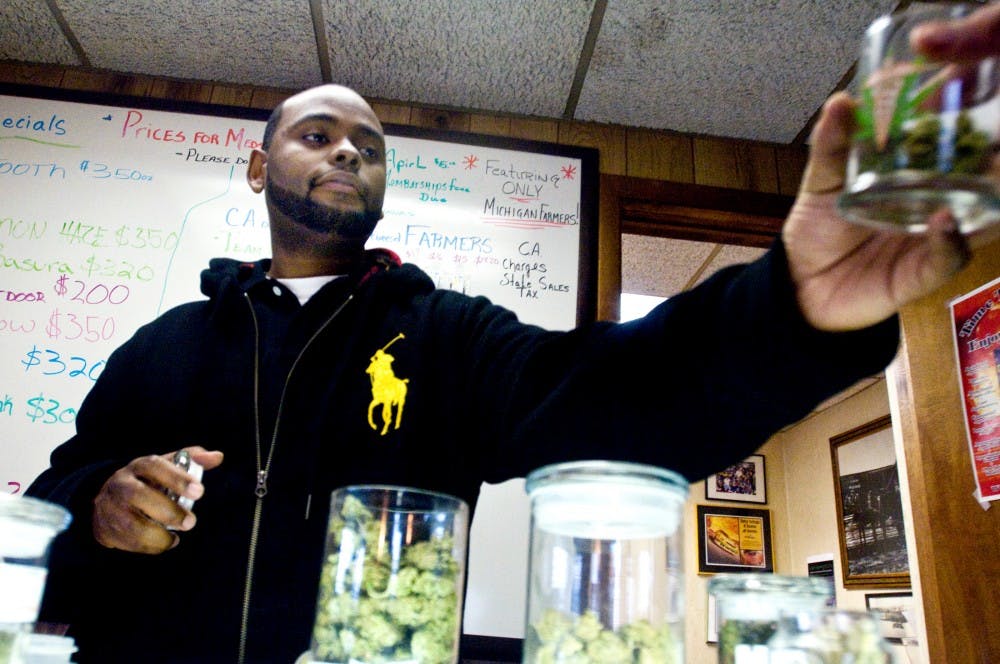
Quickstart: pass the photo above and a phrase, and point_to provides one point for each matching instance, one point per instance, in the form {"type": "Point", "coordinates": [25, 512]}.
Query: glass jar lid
{"type": "Point", "coordinates": [27, 525]}
{"type": "Point", "coordinates": [606, 500]}
{"type": "Point", "coordinates": [41, 513]}
{"type": "Point", "coordinates": [769, 584]}
{"type": "Point", "coordinates": [607, 472]}
{"type": "Point", "coordinates": [765, 597]}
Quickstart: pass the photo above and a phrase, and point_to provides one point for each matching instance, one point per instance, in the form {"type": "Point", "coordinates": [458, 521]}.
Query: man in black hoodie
{"type": "Point", "coordinates": [269, 385]}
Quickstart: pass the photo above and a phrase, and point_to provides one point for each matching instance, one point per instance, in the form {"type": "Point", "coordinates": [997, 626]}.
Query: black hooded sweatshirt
{"type": "Point", "coordinates": [698, 384]}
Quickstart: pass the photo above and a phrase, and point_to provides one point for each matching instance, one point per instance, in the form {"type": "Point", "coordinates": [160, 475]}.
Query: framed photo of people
{"type": "Point", "coordinates": [869, 507]}
{"type": "Point", "coordinates": [743, 482]}
{"type": "Point", "coordinates": [734, 539]}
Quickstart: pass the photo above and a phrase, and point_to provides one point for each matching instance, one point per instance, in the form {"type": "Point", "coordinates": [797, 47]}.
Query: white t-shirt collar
{"type": "Point", "coordinates": [305, 287]}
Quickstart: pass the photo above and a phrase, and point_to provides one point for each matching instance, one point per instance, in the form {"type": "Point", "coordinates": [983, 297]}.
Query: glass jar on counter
{"type": "Point", "coordinates": [393, 576]}
{"type": "Point", "coordinates": [605, 577]}
{"type": "Point", "coordinates": [828, 636]}
{"type": "Point", "coordinates": [749, 607]}
{"type": "Point", "coordinates": [27, 528]}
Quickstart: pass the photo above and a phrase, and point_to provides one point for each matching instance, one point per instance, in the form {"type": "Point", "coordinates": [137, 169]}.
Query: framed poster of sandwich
{"type": "Point", "coordinates": [734, 539]}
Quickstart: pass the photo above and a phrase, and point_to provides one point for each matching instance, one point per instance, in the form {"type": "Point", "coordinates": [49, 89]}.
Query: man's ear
{"type": "Point", "coordinates": [257, 170]}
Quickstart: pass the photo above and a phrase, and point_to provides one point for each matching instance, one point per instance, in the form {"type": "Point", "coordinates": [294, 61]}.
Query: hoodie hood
{"type": "Point", "coordinates": [224, 271]}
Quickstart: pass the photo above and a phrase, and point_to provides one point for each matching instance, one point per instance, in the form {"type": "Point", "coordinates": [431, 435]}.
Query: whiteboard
{"type": "Point", "coordinates": [110, 207]}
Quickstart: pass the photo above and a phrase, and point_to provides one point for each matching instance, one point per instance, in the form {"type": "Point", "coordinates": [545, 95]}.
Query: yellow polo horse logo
{"type": "Point", "coordinates": [387, 390]}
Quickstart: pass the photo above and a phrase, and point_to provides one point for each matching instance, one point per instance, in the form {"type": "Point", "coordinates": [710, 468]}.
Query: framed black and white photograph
{"type": "Point", "coordinates": [869, 507]}
{"type": "Point", "coordinates": [895, 615]}
{"type": "Point", "coordinates": [743, 482]}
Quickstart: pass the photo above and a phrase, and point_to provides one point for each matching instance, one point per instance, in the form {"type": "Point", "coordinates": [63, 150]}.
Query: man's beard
{"type": "Point", "coordinates": [315, 217]}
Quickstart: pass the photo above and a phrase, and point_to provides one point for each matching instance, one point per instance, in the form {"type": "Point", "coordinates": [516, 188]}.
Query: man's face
{"type": "Point", "coordinates": [353, 224]}
{"type": "Point", "coordinates": [325, 167]}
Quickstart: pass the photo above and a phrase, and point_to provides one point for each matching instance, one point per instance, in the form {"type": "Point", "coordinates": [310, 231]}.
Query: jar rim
{"type": "Point", "coordinates": [757, 582]}
{"type": "Point", "coordinates": [455, 503]}
{"type": "Point", "coordinates": [603, 471]}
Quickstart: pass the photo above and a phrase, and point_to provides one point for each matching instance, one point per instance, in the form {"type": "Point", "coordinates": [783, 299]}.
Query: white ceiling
{"type": "Point", "coordinates": [743, 69]}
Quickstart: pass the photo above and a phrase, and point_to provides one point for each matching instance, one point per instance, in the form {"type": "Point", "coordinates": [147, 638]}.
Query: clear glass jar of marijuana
{"type": "Point", "coordinates": [927, 131]}
{"type": "Point", "coordinates": [750, 605]}
{"type": "Point", "coordinates": [605, 578]}
{"type": "Point", "coordinates": [828, 636]}
{"type": "Point", "coordinates": [393, 577]}
{"type": "Point", "coordinates": [27, 528]}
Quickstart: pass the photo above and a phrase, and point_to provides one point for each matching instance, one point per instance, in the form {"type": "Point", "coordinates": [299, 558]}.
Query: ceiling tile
{"type": "Point", "coordinates": [663, 267]}
{"type": "Point", "coordinates": [730, 254]}
{"type": "Point", "coordinates": [517, 57]}
{"type": "Point", "coordinates": [29, 32]}
{"type": "Point", "coordinates": [757, 69]}
{"type": "Point", "coordinates": [659, 266]}
{"type": "Point", "coordinates": [264, 42]}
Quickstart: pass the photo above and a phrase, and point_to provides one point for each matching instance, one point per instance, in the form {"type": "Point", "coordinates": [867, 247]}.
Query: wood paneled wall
{"type": "Point", "coordinates": [957, 541]}
{"type": "Point", "coordinates": [629, 153]}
